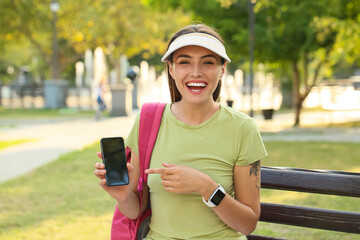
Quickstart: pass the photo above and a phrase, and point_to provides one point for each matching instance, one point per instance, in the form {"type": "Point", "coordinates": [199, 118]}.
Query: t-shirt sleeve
{"type": "Point", "coordinates": [133, 138]}
{"type": "Point", "coordinates": [250, 145]}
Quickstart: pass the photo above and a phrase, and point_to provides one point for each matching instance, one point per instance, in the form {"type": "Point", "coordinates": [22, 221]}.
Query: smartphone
{"type": "Point", "coordinates": [114, 158]}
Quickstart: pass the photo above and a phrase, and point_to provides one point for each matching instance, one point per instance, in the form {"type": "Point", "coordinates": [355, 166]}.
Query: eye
{"type": "Point", "coordinates": [184, 62]}
{"type": "Point", "coordinates": [209, 61]}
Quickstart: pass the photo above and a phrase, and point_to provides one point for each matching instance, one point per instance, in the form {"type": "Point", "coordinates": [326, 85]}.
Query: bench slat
{"type": "Point", "coordinates": [311, 217]}
{"type": "Point", "coordinates": [323, 182]}
{"type": "Point", "coordinates": [258, 237]}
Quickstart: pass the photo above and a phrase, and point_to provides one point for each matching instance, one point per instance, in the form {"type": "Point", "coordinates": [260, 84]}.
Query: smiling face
{"type": "Point", "coordinates": [196, 71]}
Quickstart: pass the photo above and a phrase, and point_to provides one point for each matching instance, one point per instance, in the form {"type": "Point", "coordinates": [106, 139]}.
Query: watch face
{"type": "Point", "coordinates": [218, 196]}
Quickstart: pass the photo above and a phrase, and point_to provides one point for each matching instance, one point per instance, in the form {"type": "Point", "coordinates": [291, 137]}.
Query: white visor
{"type": "Point", "coordinates": [198, 39]}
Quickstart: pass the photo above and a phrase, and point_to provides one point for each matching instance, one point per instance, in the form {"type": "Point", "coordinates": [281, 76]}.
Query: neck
{"type": "Point", "coordinates": [194, 114]}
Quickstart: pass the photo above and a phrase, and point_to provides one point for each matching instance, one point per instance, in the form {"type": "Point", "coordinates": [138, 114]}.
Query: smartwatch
{"type": "Point", "coordinates": [216, 197]}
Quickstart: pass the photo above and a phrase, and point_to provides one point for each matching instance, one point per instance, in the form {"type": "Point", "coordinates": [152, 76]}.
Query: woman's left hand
{"type": "Point", "coordinates": [183, 179]}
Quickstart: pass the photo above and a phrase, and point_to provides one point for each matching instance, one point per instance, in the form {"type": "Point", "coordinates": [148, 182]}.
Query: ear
{"type": "Point", "coordinates": [171, 69]}
{"type": "Point", "coordinates": [223, 70]}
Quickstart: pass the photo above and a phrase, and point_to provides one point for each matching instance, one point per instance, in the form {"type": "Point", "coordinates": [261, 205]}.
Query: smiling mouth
{"type": "Point", "coordinates": [196, 87]}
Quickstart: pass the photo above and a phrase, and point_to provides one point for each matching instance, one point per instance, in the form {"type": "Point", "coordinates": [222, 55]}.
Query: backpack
{"type": "Point", "coordinates": [123, 228]}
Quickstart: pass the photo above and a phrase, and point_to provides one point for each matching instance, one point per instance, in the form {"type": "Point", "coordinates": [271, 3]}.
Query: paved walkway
{"type": "Point", "coordinates": [280, 128]}
{"type": "Point", "coordinates": [54, 138]}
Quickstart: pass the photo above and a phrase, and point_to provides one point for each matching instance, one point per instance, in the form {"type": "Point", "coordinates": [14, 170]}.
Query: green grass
{"type": "Point", "coordinates": [6, 113]}
{"type": "Point", "coordinates": [62, 200]}
{"type": "Point", "coordinates": [5, 144]}
{"type": "Point", "coordinates": [313, 155]}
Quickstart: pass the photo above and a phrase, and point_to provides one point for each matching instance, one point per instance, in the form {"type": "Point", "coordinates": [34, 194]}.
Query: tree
{"type": "Point", "coordinates": [301, 34]}
{"type": "Point", "coordinates": [348, 38]}
{"type": "Point", "coordinates": [119, 27]}
{"type": "Point", "coordinates": [131, 28]}
{"type": "Point", "coordinates": [23, 23]}
{"type": "Point", "coordinates": [309, 36]}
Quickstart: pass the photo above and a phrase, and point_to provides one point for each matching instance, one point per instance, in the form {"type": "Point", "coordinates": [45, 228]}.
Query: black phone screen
{"type": "Point", "coordinates": [114, 158]}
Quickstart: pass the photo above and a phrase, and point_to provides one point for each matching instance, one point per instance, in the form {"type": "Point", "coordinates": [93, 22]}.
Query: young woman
{"type": "Point", "coordinates": [204, 175]}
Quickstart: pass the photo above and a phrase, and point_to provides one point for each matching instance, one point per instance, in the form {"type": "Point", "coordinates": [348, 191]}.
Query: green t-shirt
{"type": "Point", "coordinates": [214, 147]}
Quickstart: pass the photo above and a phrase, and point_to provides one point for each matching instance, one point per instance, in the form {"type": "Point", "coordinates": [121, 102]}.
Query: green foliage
{"type": "Point", "coordinates": [303, 37]}
{"type": "Point", "coordinates": [23, 36]}
{"type": "Point", "coordinates": [229, 17]}
{"type": "Point", "coordinates": [119, 27]}
{"type": "Point", "coordinates": [284, 29]}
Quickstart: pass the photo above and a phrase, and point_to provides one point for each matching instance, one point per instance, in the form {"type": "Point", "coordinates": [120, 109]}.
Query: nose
{"type": "Point", "coordinates": [196, 71]}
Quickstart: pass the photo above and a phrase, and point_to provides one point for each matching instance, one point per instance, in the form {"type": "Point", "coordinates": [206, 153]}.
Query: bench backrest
{"type": "Point", "coordinates": [311, 181]}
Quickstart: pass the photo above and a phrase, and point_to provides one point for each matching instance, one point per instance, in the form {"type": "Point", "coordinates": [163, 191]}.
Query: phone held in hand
{"type": "Point", "coordinates": [114, 158]}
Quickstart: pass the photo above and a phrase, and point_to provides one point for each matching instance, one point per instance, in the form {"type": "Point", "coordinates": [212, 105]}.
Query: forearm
{"type": "Point", "coordinates": [242, 212]}
{"type": "Point", "coordinates": [130, 206]}
{"type": "Point", "coordinates": [233, 213]}
{"type": "Point", "coordinates": [236, 215]}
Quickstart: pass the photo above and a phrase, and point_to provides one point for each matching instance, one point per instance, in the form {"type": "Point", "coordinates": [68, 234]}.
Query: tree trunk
{"type": "Point", "coordinates": [297, 101]}
{"type": "Point", "coordinates": [298, 97]}
{"type": "Point", "coordinates": [298, 108]}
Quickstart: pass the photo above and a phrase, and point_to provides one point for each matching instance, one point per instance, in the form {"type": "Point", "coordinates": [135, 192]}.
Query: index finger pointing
{"type": "Point", "coordinates": [155, 171]}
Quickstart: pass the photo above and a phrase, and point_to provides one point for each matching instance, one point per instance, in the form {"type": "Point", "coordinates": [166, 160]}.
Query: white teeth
{"type": "Point", "coordinates": [192, 84]}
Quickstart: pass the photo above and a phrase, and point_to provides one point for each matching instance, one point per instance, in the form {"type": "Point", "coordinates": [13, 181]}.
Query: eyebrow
{"type": "Point", "coordinates": [188, 56]}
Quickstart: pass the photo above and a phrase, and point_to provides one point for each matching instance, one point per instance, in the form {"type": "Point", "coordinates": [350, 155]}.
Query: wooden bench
{"type": "Point", "coordinates": [303, 180]}
{"type": "Point", "coordinates": [311, 181]}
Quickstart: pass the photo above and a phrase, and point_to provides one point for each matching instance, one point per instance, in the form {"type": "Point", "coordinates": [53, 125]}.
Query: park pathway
{"type": "Point", "coordinates": [52, 139]}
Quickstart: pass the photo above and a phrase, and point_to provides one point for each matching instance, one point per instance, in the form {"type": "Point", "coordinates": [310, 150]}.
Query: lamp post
{"type": "Point", "coordinates": [251, 52]}
{"type": "Point", "coordinates": [55, 90]}
{"type": "Point", "coordinates": [54, 8]}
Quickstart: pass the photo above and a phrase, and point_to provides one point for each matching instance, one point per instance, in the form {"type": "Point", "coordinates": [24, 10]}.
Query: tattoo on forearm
{"type": "Point", "coordinates": [255, 170]}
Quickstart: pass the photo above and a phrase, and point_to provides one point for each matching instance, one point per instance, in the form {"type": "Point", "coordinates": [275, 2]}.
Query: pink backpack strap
{"type": "Point", "coordinates": [150, 120]}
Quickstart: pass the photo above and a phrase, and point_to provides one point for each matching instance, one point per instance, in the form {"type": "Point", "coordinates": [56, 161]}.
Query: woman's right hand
{"type": "Point", "coordinates": [120, 193]}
